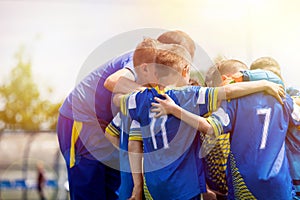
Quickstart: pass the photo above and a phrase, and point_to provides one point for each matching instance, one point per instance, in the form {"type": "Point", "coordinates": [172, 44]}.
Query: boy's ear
{"type": "Point", "coordinates": [186, 71]}
{"type": "Point", "coordinates": [144, 67]}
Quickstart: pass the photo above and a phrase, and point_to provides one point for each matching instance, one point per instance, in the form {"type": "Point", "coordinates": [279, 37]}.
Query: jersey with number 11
{"type": "Point", "coordinates": [170, 149]}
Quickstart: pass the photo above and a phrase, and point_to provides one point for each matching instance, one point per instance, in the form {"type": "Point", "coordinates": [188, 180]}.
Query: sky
{"type": "Point", "coordinates": [59, 36]}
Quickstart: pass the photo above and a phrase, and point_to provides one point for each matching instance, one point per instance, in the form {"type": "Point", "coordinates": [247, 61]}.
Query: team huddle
{"type": "Point", "coordinates": [138, 127]}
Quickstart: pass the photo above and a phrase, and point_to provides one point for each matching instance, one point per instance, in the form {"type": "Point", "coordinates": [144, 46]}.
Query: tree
{"type": "Point", "coordinates": [20, 104]}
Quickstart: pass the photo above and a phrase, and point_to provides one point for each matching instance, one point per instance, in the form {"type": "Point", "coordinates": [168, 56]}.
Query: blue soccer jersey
{"type": "Point", "coordinates": [83, 117]}
{"type": "Point", "coordinates": [257, 165]}
{"type": "Point", "coordinates": [171, 162]}
{"type": "Point", "coordinates": [293, 134]}
{"type": "Point", "coordinates": [90, 103]}
{"type": "Point", "coordinates": [293, 145]}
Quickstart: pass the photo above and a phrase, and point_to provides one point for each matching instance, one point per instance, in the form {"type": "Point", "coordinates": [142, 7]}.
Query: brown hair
{"type": "Point", "coordinates": [152, 51]}
{"type": "Point", "coordinates": [145, 52]}
{"type": "Point", "coordinates": [178, 37]}
{"type": "Point", "coordinates": [165, 56]}
{"type": "Point", "coordinates": [171, 58]}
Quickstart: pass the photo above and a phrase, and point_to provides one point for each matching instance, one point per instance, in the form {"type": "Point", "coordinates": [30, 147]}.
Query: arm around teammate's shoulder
{"type": "Point", "coordinates": [240, 89]}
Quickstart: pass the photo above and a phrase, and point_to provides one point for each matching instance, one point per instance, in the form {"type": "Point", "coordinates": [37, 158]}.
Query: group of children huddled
{"type": "Point", "coordinates": [233, 137]}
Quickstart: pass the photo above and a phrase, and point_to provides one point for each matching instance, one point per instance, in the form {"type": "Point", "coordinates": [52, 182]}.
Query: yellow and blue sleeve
{"type": "Point", "coordinates": [212, 99]}
{"type": "Point", "coordinates": [112, 130]}
{"type": "Point", "coordinates": [135, 132]}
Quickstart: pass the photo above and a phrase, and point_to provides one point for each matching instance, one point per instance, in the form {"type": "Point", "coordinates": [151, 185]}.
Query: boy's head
{"type": "Point", "coordinates": [267, 63]}
{"type": "Point", "coordinates": [178, 37]}
{"type": "Point", "coordinates": [154, 61]}
{"type": "Point", "coordinates": [230, 67]}
{"type": "Point", "coordinates": [173, 65]}
{"type": "Point", "coordinates": [223, 71]}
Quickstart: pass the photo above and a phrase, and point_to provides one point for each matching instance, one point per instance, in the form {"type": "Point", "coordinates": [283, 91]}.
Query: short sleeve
{"type": "Point", "coordinates": [128, 64]}
{"type": "Point", "coordinates": [258, 74]}
{"type": "Point", "coordinates": [222, 118]}
{"type": "Point", "coordinates": [114, 127]}
{"type": "Point", "coordinates": [207, 99]}
{"type": "Point", "coordinates": [129, 108]}
{"type": "Point", "coordinates": [135, 133]}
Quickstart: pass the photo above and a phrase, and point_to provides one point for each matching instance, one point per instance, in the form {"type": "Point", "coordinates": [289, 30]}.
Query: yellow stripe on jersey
{"type": "Point", "coordinates": [135, 138]}
{"type": "Point", "coordinates": [215, 99]}
{"type": "Point", "coordinates": [212, 99]}
{"type": "Point", "coordinates": [146, 191]}
{"type": "Point", "coordinates": [112, 130]}
{"type": "Point", "coordinates": [76, 129]}
{"type": "Point", "coordinates": [216, 125]}
{"type": "Point", "coordinates": [241, 190]}
{"type": "Point", "coordinates": [135, 135]}
{"type": "Point", "coordinates": [123, 107]}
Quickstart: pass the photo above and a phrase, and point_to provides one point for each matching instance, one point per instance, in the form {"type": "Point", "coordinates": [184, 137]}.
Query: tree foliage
{"type": "Point", "coordinates": [20, 104]}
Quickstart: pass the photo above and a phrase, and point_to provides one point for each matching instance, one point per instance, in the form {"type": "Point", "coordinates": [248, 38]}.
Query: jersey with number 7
{"type": "Point", "coordinates": [257, 165]}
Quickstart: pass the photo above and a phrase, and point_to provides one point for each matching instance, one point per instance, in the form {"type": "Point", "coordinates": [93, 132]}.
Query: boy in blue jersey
{"type": "Point", "coordinates": [293, 134]}
{"type": "Point", "coordinates": [234, 72]}
{"type": "Point", "coordinates": [164, 166]}
{"type": "Point", "coordinates": [118, 133]}
{"type": "Point", "coordinates": [92, 161]}
{"type": "Point", "coordinates": [257, 165]}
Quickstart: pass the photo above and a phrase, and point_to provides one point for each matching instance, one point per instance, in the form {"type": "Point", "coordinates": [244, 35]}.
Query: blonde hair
{"type": "Point", "coordinates": [230, 67]}
{"type": "Point", "coordinates": [267, 63]}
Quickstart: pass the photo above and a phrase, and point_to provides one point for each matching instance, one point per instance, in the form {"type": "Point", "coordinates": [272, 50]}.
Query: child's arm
{"type": "Point", "coordinates": [135, 150]}
{"type": "Point", "coordinates": [112, 131]}
{"type": "Point", "coordinates": [168, 106]}
{"type": "Point", "coordinates": [112, 136]}
{"type": "Point", "coordinates": [122, 81]}
{"type": "Point", "coordinates": [113, 139]}
{"type": "Point", "coordinates": [230, 91]}
{"type": "Point", "coordinates": [240, 89]}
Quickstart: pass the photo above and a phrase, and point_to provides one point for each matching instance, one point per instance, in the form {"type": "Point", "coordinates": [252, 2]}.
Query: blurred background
{"type": "Point", "coordinates": [44, 44]}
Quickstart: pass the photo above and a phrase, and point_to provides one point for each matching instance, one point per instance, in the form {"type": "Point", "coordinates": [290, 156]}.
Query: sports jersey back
{"type": "Point", "coordinates": [293, 145]}
{"type": "Point", "coordinates": [170, 154]}
{"type": "Point", "coordinates": [90, 103]}
{"type": "Point", "coordinates": [257, 165]}
{"type": "Point", "coordinates": [90, 100]}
